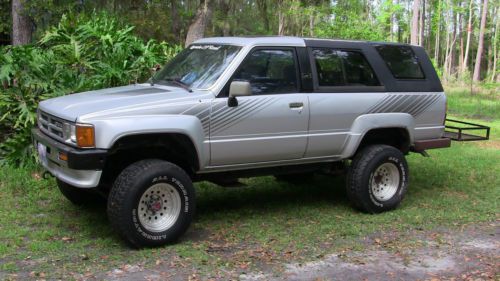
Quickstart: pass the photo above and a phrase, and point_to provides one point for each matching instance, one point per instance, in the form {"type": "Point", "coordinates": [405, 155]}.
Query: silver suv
{"type": "Point", "coordinates": [227, 108]}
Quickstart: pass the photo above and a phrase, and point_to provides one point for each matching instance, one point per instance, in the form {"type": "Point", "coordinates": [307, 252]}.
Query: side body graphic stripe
{"type": "Point", "coordinates": [413, 104]}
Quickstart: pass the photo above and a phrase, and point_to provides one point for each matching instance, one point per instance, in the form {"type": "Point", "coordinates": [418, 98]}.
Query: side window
{"type": "Point", "coordinates": [401, 61]}
{"type": "Point", "coordinates": [269, 71]}
{"type": "Point", "coordinates": [329, 67]}
{"type": "Point", "coordinates": [343, 68]}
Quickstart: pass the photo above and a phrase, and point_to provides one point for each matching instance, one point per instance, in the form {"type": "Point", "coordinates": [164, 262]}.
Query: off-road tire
{"type": "Point", "coordinates": [80, 196]}
{"type": "Point", "coordinates": [128, 191]}
{"type": "Point", "coordinates": [361, 183]}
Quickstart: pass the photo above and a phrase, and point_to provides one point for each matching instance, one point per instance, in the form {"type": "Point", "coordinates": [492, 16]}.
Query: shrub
{"type": "Point", "coordinates": [79, 54]}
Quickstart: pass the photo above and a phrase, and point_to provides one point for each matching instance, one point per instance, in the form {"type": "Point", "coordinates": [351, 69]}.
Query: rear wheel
{"type": "Point", "coordinates": [377, 179]}
{"type": "Point", "coordinates": [80, 196]}
{"type": "Point", "coordinates": [151, 203]}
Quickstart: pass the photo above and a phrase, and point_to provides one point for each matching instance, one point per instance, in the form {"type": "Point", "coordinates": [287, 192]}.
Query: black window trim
{"type": "Point", "coordinates": [414, 55]}
{"type": "Point", "coordinates": [342, 89]}
{"type": "Point", "coordinates": [224, 93]}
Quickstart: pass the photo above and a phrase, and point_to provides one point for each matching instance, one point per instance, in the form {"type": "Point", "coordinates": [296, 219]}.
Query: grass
{"type": "Point", "coordinates": [483, 104]}
{"type": "Point", "coordinates": [43, 235]}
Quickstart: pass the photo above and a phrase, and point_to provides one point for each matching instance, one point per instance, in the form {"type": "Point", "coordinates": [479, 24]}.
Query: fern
{"type": "Point", "coordinates": [81, 54]}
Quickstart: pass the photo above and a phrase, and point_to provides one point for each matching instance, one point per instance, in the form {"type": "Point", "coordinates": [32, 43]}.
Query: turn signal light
{"type": "Point", "coordinates": [63, 156]}
{"type": "Point", "coordinates": [85, 136]}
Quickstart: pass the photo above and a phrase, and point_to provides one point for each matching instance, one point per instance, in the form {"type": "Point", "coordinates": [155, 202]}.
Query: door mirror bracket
{"type": "Point", "coordinates": [232, 101]}
{"type": "Point", "coordinates": [238, 89]}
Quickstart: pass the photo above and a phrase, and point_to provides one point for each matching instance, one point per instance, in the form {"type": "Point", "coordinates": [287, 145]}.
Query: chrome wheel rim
{"type": "Point", "coordinates": [385, 181]}
{"type": "Point", "coordinates": [159, 207]}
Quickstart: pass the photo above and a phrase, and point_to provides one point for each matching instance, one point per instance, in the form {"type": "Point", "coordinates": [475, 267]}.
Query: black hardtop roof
{"type": "Point", "coordinates": [354, 43]}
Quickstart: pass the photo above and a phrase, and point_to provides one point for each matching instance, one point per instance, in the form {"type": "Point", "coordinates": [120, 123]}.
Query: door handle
{"type": "Point", "coordinates": [296, 105]}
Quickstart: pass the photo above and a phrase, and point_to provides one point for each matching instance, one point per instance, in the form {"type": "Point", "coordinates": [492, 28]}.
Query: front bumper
{"type": "Point", "coordinates": [83, 167]}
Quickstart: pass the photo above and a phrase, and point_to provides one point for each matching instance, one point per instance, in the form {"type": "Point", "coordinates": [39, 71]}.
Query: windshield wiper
{"type": "Point", "coordinates": [178, 83]}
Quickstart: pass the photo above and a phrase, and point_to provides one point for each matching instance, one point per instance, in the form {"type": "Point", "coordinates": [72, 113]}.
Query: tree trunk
{"type": "Point", "coordinates": [262, 4]}
{"type": "Point", "coordinates": [421, 25]}
{"type": "Point", "coordinates": [495, 51]}
{"type": "Point", "coordinates": [447, 50]}
{"type": "Point", "coordinates": [21, 24]}
{"type": "Point", "coordinates": [414, 23]}
{"type": "Point", "coordinates": [311, 24]}
{"type": "Point", "coordinates": [197, 28]}
{"type": "Point", "coordinates": [469, 34]}
{"type": "Point", "coordinates": [480, 47]}
{"type": "Point", "coordinates": [281, 18]}
{"type": "Point", "coordinates": [461, 36]}
{"type": "Point", "coordinates": [453, 46]}
{"type": "Point", "coordinates": [438, 35]}
{"type": "Point", "coordinates": [429, 27]}
{"type": "Point", "coordinates": [176, 25]}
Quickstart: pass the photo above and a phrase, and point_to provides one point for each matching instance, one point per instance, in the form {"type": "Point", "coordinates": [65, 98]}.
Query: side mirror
{"type": "Point", "coordinates": [240, 89]}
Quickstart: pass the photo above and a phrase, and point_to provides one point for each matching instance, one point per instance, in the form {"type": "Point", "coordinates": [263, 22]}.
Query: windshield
{"type": "Point", "coordinates": [198, 66]}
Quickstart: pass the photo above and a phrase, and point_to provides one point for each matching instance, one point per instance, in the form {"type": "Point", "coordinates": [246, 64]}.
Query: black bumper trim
{"type": "Point", "coordinates": [78, 159]}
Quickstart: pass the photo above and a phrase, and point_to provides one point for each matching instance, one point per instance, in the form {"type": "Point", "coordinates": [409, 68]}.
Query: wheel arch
{"type": "Point", "coordinates": [177, 148]}
{"type": "Point", "coordinates": [394, 129]}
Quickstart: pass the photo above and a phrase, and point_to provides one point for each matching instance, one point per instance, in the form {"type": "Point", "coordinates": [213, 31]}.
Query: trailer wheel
{"type": "Point", "coordinates": [151, 203]}
{"type": "Point", "coordinates": [377, 179]}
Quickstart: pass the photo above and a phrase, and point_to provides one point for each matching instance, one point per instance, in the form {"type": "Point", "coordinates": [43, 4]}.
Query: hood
{"type": "Point", "coordinates": [158, 99]}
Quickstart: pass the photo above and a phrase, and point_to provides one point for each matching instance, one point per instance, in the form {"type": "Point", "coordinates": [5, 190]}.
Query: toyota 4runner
{"type": "Point", "coordinates": [227, 108]}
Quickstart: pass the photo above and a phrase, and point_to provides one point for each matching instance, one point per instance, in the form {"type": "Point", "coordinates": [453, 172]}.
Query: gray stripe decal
{"type": "Point", "coordinates": [412, 104]}
{"type": "Point", "coordinates": [232, 117]}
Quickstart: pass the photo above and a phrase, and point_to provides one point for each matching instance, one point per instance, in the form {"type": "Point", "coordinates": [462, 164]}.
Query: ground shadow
{"type": "Point", "coordinates": [267, 193]}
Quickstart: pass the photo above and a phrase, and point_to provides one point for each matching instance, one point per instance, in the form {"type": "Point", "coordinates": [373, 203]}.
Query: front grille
{"type": "Point", "coordinates": [55, 127]}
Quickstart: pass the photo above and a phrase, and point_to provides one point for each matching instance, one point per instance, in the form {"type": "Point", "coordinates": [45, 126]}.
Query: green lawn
{"type": "Point", "coordinates": [266, 222]}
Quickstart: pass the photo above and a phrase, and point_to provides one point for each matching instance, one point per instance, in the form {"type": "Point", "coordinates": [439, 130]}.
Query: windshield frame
{"type": "Point", "coordinates": [155, 79]}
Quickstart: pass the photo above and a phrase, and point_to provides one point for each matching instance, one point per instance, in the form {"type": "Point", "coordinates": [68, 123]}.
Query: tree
{"type": "Point", "coordinates": [197, 28]}
{"type": "Point", "coordinates": [480, 47]}
{"type": "Point", "coordinates": [415, 23]}
{"type": "Point", "coordinates": [495, 51]}
{"type": "Point", "coordinates": [174, 15]}
{"type": "Point", "coordinates": [21, 24]}
{"type": "Point", "coordinates": [469, 34]}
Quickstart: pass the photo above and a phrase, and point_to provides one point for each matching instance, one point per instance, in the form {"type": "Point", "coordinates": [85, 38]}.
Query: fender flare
{"type": "Point", "coordinates": [364, 123]}
{"type": "Point", "coordinates": [110, 130]}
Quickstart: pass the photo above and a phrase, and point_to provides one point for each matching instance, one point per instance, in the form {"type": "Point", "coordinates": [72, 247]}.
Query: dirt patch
{"type": "Point", "coordinates": [491, 144]}
{"type": "Point", "coordinates": [471, 253]}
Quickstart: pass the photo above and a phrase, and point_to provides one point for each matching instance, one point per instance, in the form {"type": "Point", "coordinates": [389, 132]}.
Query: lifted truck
{"type": "Point", "coordinates": [233, 107]}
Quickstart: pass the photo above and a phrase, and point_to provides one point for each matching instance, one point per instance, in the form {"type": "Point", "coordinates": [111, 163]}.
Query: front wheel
{"type": "Point", "coordinates": [377, 179]}
{"type": "Point", "coordinates": [151, 203]}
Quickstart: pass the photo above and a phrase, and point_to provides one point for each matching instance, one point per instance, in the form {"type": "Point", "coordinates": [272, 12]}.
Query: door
{"type": "Point", "coordinates": [345, 87]}
{"type": "Point", "coordinates": [269, 125]}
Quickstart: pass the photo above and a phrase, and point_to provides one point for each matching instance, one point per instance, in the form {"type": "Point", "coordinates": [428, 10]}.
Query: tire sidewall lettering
{"type": "Point", "coordinates": [177, 184]}
{"type": "Point", "coordinates": [402, 173]}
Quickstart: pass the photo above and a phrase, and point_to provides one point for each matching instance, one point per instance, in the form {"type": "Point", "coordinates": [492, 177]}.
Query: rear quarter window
{"type": "Point", "coordinates": [402, 61]}
{"type": "Point", "coordinates": [343, 68]}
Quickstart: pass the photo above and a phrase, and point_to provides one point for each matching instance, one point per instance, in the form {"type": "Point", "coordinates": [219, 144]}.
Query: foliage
{"type": "Point", "coordinates": [5, 19]}
{"type": "Point", "coordinates": [79, 54]}
{"type": "Point", "coordinates": [339, 27]}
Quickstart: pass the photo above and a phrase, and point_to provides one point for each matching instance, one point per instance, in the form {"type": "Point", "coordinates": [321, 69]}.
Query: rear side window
{"type": "Point", "coordinates": [343, 68]}
{"type": "Point", "coordinates": [401, 61]}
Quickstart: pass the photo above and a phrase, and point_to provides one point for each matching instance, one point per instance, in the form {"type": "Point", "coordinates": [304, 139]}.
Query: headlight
{"type": "Point", "coordinates": [84, 135]}
{"type": "Point", "coordinates": [72, 133]}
